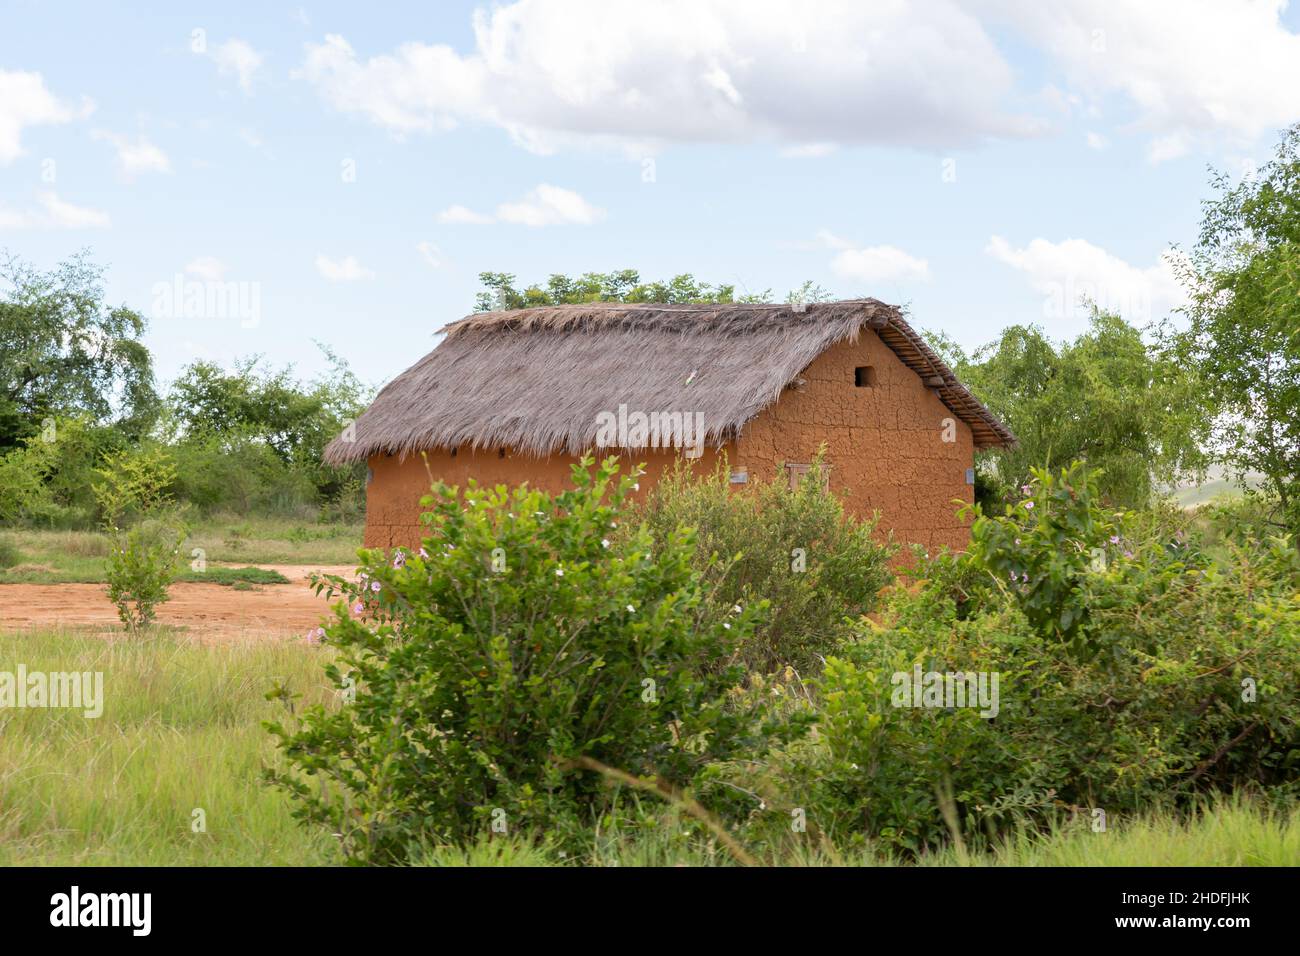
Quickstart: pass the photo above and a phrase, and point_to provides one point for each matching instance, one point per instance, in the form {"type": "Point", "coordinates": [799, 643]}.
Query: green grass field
{"type": "Point", "coordinates": [35, 556]}
{"type": "Point", "coordinates": [181, 731]}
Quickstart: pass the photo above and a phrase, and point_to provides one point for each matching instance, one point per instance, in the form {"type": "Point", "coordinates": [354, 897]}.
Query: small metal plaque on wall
{"type": "Point", "coordinates": [970, 476]}
{"type": "Point", "coordinates": [739, 477]}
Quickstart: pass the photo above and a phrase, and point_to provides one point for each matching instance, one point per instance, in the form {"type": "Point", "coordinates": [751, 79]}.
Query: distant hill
{"type": "Point", "coordinates": [1216, 485]}
{"type": "Point", "coordinates": [1199, 494]}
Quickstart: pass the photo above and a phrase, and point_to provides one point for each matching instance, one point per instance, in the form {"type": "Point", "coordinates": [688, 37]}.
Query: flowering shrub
{"type": "Point", "coordinates": [795, 547]}
{"type": "Point", "coordinates": [141, 567]}
{"type": "Point", "coordinates": [482, 672]}
{"type": "Point", "coordinates": [1193, 696]}
{"type": "Point", "coordinates": [1186, 687]}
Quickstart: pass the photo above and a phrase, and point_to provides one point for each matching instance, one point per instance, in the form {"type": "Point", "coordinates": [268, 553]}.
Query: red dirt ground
{"type": "Point", "coordinates": [206, 612]}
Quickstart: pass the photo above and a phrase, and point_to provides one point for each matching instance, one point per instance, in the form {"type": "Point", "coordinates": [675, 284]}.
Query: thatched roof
{"type": "Point", "coordinates": [534, 380]}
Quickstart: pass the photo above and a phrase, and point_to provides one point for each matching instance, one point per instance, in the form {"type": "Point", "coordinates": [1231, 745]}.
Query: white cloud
{"type": "Point", "coordinates": [347, 269]}
{"type": "Point", "coordinates": [879, 264]}
{"type": "Point", "coordinates": [1187, 70]}
{"type": "Point", "coordinates": [53, 213]}
{"type": "Point", "coordinates": [1068, 272]}
{"type": "Point", "coordinates": [1096, 140]}
{"type": "Point", "coordinates": [237, 57]}
{"type": "Point", "coordinates": [831, 241]}
{"type": "Point", "coordinates": [461, 216]}
{"type": "Point", "coordinates": [431, 254]}
{"type": "Point", "coordinates": [24, 101]}
{"type": "Point", "coordinates": [558, 72]}
{"type": "Point", "coordinates": [208, 268]}
{"type": "Point", "coordinates": [865, 263]}
{"type": "Point", "coordinates": [809, 150]}
{"type": "Point", "coordinates": [1164, 148]}
{"type": "Point", "coordinates": [550, 206]}
{"type": "Point", "coordinates": [140, 156]}
{"type": "Point", "coordinates": [546, 205]}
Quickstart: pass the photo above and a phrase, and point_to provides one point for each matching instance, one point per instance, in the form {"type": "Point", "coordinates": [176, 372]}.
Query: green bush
{"type": "Point", "coordinates": [818, 568]}
{"type": "Point", "coordinates": [523, 638]}
{"type": "Point", "coordinates": [22, 485]}
{"type": "Point", "coordinates": [141, 567]}
{"type": "Point", "coordinates": [1042, 550]}
{"type": "Point", "coordinates": [1180, 682]}
{"type": "Point", "coordinates": [133, 484]}
{"type": "Point", "coordinates": [239, 473]}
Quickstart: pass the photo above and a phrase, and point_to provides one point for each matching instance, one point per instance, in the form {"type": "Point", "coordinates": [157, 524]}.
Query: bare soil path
{"type": "Point", "coordinates": [207, 612]}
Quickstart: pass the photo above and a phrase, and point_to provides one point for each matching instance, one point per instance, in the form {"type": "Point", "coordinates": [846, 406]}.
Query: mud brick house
{"type": "Point", "coordinates": [509, 397]}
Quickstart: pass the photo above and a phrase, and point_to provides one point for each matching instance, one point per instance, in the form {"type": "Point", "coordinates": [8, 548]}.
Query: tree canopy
{"type": "Point", "coordinates": [64, 351]}
{"type": "Point", "coordinates": [624, 285]}
{"type": "Point", "coordinates": [1107, 397]}
{"type": "Point", "coordinates": [1242, 339]}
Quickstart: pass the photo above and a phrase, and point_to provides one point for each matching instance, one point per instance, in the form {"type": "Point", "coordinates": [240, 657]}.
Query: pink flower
{"type": "Point", "coordinates": [1029, 505]}
{"type": "Point", "coordinates": [1025, 489]}
{"type": "Point", "coordinates": [424, 554]}
{"type": "Point", "coordinates": [1114, 539]}
{"type": "Point", "coordinates": [358, 608]}
{"type": "Point", "coordinates": [316, 636]}
{"type": "Point", "coordinates": [399, 559]}
{"type": "Point", "coordinates": [375, 586]}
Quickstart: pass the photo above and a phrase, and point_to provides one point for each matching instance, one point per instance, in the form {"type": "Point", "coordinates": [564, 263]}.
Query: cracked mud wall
{"type": "Point", "coordinates": [885, 444]}
{"type": "Point", "coordinates": [393, 495]}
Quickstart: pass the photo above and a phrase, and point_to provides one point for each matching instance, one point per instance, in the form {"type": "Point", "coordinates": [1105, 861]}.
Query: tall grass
{"type": "Point", "coordinates": [1228, 832]}
{"type": "Point", "coordinates": [41, 556]}
{"type": "Point", "coordinates": [181, 730]}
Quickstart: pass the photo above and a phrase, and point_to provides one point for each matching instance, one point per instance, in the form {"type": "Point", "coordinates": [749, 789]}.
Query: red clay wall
{"type": "Point", "coordinates": [885, 445]}
{"type": "Point", "coordinates": [396, 486]}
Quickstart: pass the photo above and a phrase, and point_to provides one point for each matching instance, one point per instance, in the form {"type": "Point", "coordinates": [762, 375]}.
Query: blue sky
{"type": "Point", "coordinates": [355, 166]}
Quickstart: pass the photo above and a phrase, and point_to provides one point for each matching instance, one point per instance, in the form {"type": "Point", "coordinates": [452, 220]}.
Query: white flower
{"type": "Point", "coordinates": [604, 542]}
{"type": "Point", "coordinates": [726, 625]}
{"type": "Point", "coordinates": [637, 486]}
{"type": "Point", "coordinates": [559, 572]}
{"type": "Point", "coordinates": [735, 609]}
{"type": "Point", "coordinates": [631, 609]}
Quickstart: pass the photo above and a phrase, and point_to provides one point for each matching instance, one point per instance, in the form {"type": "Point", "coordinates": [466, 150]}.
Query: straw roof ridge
{"type": "Point", "coordinates": [535, 380]}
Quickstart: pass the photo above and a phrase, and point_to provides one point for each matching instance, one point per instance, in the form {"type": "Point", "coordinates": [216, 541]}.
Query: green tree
{"type": "Point", "coordinates": [624, 285]}
{"type": "Point", "coordinates": [217, 408]}
{"type": "Point", "coordinates": [1107, 397]}
{"type": "Point", "coordinates": [64, 351]}
{"type": "Point", "coordinates": [1243, 333]}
